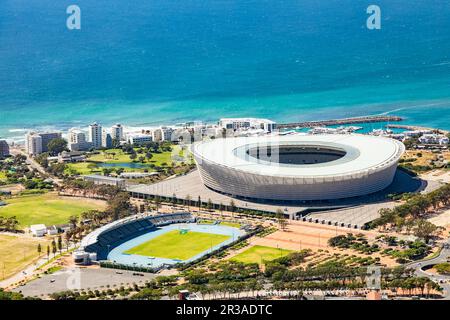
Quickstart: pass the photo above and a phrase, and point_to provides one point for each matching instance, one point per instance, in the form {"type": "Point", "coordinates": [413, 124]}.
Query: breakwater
{"type": "Point", "coordinates": [332, 122]}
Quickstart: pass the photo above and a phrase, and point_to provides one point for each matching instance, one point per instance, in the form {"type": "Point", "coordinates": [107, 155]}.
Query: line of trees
{"type": "Point", "coordinates": [9, 224]}
{"type": "Point", "coordinates": [410, 216]}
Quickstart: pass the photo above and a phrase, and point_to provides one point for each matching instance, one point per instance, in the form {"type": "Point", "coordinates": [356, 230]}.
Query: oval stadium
{"type": "Point", "coordinates": [298, 167]}
{"type": "Point", "coordinates": [155, 241]}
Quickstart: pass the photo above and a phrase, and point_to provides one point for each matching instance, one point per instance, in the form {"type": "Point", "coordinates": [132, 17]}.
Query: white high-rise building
{"type": "Point", "coordinates": [37, 143]}
{"type": "Point", "coordinates": [117, 132]}
{"type": "Point", "coordinates": [76, 136]}
{"type": "Point", "coordinates": [162, 134]}
{"type": "Point", "coordinates": [107, 140]}
{"type": "Point", "coordinates": [33, 144]}
{"type": "Point", "coordinates": [77, 140]}
{"type": "Point", "coordinates": [95, 135]}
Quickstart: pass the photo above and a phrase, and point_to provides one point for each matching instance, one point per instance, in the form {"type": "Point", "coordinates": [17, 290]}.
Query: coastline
{"type": "Point", "coordinates": [432, 114]}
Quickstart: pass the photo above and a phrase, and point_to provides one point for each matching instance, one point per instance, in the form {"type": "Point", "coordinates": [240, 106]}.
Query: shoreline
{"type": "Point", "coordinates": [383, 120]}
{"type": "Point", "coordinates": [333, 122]}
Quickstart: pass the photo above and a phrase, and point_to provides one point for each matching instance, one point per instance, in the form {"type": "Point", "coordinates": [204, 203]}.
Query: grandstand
{"type": "Point", "coordinates": [97, 245]}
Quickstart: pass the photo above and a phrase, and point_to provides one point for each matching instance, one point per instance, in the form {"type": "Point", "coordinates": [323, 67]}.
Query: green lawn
{"type": "Point", "coordinates": [173, 245]}
{"type": "Point", "coordinates": [46, 208]}
{"type": "Point", "coordinates": [259, 254]}
{"type": "Point", "coordinates": [82, 168]}
{"type": "Point", "coordinates": [120, 157]}
{"type": "Point", "coordinates": [230, 224]}
{"type": "Point", "coordinates": [17, 252]}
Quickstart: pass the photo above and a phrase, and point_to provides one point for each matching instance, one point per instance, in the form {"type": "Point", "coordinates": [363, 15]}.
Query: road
{"type": "Point", "coordinates": [442, 280]}
{"type": "Point", "coordinates": [33, 164]}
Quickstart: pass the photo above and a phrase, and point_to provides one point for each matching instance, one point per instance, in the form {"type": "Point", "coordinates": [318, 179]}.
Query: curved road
{"type": "Point", "coordinates": [442, 280]}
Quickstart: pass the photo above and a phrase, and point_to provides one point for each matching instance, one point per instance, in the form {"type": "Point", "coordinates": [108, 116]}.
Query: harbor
{"type": "Point", "coordinates": [333, 122]}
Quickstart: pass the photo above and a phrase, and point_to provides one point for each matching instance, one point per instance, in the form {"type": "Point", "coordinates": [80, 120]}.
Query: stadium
{"type": "Point", "coordinates": [298, 167]}
{"type": "Point", "coordinates": [154, 241]}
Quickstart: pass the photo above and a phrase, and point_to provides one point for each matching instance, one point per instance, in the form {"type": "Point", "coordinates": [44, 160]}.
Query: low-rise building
{"type": "Point", "coordinates": [137, 175]}
{"type": "Point", "coordinates": [38, 230]}
{"type": "Point", "coordinates": [52, 230]}
{"type": "Point", "coordinates": [139, 139]}
{"type": "Point", "coordinates": [98, 179]}
{"type": "Point", "coordinates": [247, 123]}
{"type": "Point", "coordinates": [73, 156]}
{"type": "Point", "coordinates": [439, 139]}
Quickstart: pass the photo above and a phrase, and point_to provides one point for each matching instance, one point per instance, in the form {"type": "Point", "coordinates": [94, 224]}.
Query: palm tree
{"type": "Point", "coordinates": [232, 207]}
{"type": "Point", "coordinates": [73, 221]}
{"type": "Point", "coordinates": [188, 201]}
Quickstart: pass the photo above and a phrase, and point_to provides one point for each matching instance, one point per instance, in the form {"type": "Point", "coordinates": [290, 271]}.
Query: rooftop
{"type": "Point", "coordinates": [363, 154]}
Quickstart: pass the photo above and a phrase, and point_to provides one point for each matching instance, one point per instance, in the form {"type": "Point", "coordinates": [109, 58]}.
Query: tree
{"type": "Point", "coordinates": [48, 252]}
{"type": "Point", "coordinates": [425, 230]}
{"type": "Point", "coordinates": [56, 146]}
{"type": "Point", "coordinates": [232, 207]}
{"type": "Point", "coordinates": [133, 156]}
{"type": "Point", "coordinates": [209, 204]}
{"type": "Point", "coordinates": [119, 206]}
{"type": "Point", "coordinates": [221, 209]}
{"type": "Point", "coordinates": [174, 199]}
{"type": "Point", "coordinates": [53, 247]}
{"type": "Point", "coordinates": [60, 244]}
{"type": "Point", "coordinates": [106, 171]}
{"type": "Point", "coordinates": [281, 219]}
{"type": "Point", "coordinates": [42, 159]}
{"type": "Point", "coordinates": [148, 155]}
{"type": "Point", "coordinates": [141, 159]}
{"type": "Point", "coordinates": [39, 249]}
{"type": "Point", "coordinates": [188, 201]}
{"type": "Point", "coordinates": [73, 221]}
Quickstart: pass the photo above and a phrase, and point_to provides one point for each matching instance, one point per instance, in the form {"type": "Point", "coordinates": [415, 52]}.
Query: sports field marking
{"type": "Point", "coordinates": [175, 245]}
{"type": "Point", "coordinates": [259, 254]}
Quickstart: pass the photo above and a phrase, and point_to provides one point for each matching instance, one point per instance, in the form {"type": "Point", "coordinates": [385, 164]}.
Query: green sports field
{"type": "Point", "coordinates": [47, 208]}
{"type": "Point", "coordinates": [173, 245]}
{"type": "Point", "coordinates": [259, 254]}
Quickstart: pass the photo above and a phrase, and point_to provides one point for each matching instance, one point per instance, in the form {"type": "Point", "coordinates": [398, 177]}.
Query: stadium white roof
{"type": "Point", "coordinates": [363, 153]}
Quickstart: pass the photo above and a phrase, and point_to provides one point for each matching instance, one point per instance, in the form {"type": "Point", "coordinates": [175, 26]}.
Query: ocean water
{"type": "Point", "coordinates": [166, 61]}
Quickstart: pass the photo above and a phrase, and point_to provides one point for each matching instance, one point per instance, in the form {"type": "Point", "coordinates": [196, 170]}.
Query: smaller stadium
{"type": "Point", "coordinates": [154, 241]}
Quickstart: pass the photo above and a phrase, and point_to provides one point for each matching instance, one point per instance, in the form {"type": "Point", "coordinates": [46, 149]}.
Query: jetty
{"type": "Point", "coordinates": [415, 128]}
{"type": "Point", "coordinates": [333, 122]}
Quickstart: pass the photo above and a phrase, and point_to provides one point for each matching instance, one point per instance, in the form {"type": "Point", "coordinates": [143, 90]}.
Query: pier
{"type": "Point", "coordinates": [413, 128]}
{"type": "Point", "coordinates": [324, 123]}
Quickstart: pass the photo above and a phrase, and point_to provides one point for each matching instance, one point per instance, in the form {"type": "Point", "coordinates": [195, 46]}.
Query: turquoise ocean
{"type": "Point", "coordinates": [151, 62]}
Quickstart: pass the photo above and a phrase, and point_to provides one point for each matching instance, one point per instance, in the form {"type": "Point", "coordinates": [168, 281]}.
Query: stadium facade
{"type": "Point", "coordinates": [298, 167]}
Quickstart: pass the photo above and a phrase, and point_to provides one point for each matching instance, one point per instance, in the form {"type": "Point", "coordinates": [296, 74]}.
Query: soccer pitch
{"type": "Point", "coordinates": [175, 245]}
{"type": "Point", "coordinates": [259, 254]}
